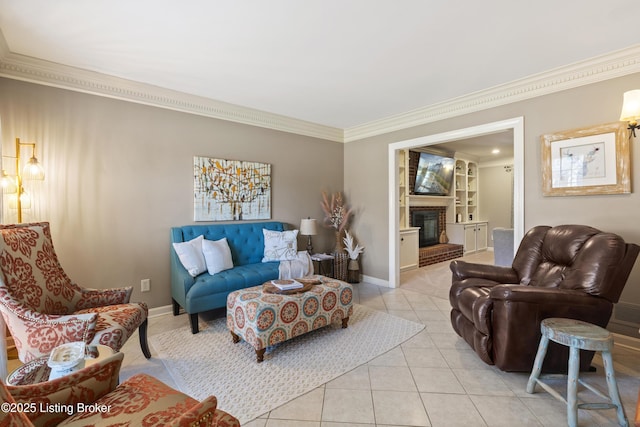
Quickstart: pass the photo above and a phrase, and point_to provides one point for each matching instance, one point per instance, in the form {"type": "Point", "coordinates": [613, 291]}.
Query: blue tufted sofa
{"type": "Point", "coordinates": [206, 292]}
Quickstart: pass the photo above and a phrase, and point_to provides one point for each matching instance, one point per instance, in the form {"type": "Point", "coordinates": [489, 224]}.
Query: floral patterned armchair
{"type": "Point", "coordinates": [43, 308]}
{"type": "Point", "coordinates": [92, 394]}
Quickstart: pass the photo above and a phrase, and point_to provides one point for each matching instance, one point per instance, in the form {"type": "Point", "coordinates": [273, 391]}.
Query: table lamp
{"type": "Point", "coordinates": [309, 227]}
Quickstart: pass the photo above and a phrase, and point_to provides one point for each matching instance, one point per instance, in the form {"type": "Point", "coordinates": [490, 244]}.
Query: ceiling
{"type": "Point", "coordinates": [486, 149]}
{"type": "Point", "coordinates": [339, 63]}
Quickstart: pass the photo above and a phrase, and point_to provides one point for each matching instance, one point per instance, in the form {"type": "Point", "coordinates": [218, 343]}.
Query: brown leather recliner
{"type": "Point", "coordinates": [571, 271]}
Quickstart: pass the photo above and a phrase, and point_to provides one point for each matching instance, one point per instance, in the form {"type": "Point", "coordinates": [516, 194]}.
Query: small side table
{"type": "Point", "coordinates": [323, 265]}
{"type": "Point", "coordinates": [578, 335]}
{"type": "Point", "coordinates": [37, 371]}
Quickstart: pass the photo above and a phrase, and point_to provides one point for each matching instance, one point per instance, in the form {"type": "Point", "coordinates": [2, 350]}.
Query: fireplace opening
{"type": "Point", "coordinates": [429, 227]}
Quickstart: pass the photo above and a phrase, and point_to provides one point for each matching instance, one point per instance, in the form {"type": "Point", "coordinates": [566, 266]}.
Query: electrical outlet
{"type": "Point", "coordinates": [145, 285]}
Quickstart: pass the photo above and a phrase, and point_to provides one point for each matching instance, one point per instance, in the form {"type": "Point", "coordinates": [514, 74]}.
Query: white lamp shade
{"type": "Point", "coordinates": [8, 183]}
{"type": "Point", "coordinates": [33, 170]}
{"type": "Point", "coordinates": [631, 106]}
{"type": "Point", "coordinates": [25, 201]}
{"type": "Point", "coordinates": [308, 227]}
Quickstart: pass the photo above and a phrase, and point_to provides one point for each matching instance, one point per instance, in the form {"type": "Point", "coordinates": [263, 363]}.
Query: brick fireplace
{"type": "Point", "coordinates": [440, 251]}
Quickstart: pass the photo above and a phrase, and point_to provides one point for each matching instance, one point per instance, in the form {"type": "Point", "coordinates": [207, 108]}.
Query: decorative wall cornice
{"type": "Point", "coordinates": [20, 67]}
{"type": "Point", "coordinates": [47, 73]}
{"type": "Point", "coordinates": [605, 67]}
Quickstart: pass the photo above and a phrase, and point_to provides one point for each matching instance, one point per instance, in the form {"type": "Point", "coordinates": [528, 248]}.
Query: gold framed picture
{"type": "Point", "coordinates": [587, 161]}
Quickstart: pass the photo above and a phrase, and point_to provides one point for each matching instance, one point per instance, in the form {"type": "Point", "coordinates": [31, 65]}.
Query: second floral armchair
{"type": "Point", "coordinates": [43, 308]}
{"type": "Point", "coordinates": [89, 397]}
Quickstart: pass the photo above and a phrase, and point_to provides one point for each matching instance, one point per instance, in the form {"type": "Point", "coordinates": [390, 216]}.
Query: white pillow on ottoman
{"type": "Point", "coordinates": [217, 255]}
{"type": "Point", "coordinates": [280, 245]}
{"type": "Point", "coordinates": [191, 257]}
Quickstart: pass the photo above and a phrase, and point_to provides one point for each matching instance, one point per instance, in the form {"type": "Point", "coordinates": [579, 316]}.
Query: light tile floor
{"type": "Point", "coordinates": [433, 379]}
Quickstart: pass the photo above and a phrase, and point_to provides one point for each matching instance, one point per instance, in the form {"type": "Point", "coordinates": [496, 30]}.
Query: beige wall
{"type": "Point", "coordinates": [119, 175]}
{"type": "Point", "coordinates": [366, 177]}
{"type": "Point", "coordinates": [495, 200]}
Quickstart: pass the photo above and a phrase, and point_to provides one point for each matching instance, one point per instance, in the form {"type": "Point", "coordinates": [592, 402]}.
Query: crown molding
{"type": "Point", "coordinates": [20, 67]}
{"type": "Point", "coordinates": [608, 66]}
{"type": "Point", "coordinates": [605, 67]}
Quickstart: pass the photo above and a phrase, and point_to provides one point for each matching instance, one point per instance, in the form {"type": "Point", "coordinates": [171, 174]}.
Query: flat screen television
{"type": "Point", "coordinates": [434, 176]}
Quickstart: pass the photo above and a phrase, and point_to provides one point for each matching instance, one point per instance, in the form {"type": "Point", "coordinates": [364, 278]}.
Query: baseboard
{"type": "Point", "coordinates": [375, 281]}
{"type": "Point", "coordinates": [626, 341]}
{"type": "Point", "coordinates": [160, 311]}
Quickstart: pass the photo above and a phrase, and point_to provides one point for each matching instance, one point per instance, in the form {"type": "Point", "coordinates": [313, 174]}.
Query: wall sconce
{"type": "Point", "coordinates": [309, 227]}
{"type": "Point", "coordinates": [13, 184]}
{"type": "Point", "coordinates": [631, 109]}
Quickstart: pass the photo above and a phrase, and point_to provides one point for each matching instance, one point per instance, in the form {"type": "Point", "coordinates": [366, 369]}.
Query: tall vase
{"type": "Point", "coordinates": [339, 244]}
{"type": "Point", "coordinates": [340, 258]}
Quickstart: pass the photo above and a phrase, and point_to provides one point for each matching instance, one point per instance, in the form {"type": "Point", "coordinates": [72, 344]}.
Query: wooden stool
{"type": "Point", "coordinates": [578, 335]}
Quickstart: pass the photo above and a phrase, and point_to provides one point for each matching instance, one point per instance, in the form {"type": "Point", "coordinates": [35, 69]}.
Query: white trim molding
{"type": "Point", "coordinates": [626, 341]}
{"type": "Point", "coordinates": [375, 281]}
{"type": "Point", "coordinates": [515, 124]}
{"type": "Point", "coordinates": [47, 73]}
{"type": "Point", "coordinates": [160, 311]}
{"type": "Point", "coordinates": [605, 67]}
{"type": "Point", "coordinates": [34, 70]}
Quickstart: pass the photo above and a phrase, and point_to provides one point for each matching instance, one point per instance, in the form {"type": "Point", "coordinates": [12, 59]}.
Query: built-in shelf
{"type": "Point", "coordinates": [466, 191]}
{"type": "Point", "coordinates": [403, 189]}
{"type": "Point", "coordinates": [415, 200]}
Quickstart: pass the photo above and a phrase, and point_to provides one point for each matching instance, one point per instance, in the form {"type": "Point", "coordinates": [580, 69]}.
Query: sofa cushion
{"type": "Point", "coordinates": [280, 245]}
{"type": "Point", "coordinates": [239, 277]}
{"type": "Point", "coordinates": [217, 255]}
{"type": "Point", "coordinates": [191, 256]}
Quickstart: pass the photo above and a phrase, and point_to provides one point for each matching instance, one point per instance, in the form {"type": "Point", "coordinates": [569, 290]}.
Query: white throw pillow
{"type": "Point", "coordinates": [191, 257]}
{"type": "Point", "coordinates": [280, 245]}
{"type": "Point", "coordinates": [217, 255]}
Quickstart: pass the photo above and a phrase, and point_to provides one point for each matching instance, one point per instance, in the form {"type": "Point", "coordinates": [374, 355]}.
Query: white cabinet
{"type": "Point", "coordinates": [473, 235]}
{"type": "Point", "coordinates": [469, 238]}
{"type": "Point", "coordinates": [481, 236]}
{"type": "Point", "coordinates": [409, 248]}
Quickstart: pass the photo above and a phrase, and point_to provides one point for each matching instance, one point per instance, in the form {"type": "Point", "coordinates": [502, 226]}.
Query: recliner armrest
{"type": "Point", "coordinates": [532, 294]}
{"type": "Point", "coordinates": [462, 270]}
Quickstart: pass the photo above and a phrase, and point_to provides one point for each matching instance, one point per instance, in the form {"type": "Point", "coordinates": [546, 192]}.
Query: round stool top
{"type": "Point", "coordinates": [576, 333]}
{"type": "Point", "coordinates": [37, 371]}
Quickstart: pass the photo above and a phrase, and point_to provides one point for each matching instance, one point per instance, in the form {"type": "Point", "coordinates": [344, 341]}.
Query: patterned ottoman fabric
{"type": "Point", "coordinates": [265, 319]}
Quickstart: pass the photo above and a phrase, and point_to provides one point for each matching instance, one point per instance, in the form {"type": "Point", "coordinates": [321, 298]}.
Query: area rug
{"type": "Point", "coordinates": [208, 363]}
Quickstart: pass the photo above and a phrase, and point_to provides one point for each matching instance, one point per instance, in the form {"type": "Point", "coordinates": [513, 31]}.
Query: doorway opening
{"type": "Point", "coordinates": [516, 125]}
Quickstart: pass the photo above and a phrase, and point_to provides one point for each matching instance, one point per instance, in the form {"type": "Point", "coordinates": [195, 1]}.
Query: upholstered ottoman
{"type": "Point", "coordinates": [264, 319]}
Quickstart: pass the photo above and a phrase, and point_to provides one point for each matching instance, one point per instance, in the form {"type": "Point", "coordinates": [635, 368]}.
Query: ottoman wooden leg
{"type": "Point", "coordinates": [345, 322]}
{"type": "Point", "coordinates": [234, 337]}
{"type": "Point", "coordinates": [260, 355]}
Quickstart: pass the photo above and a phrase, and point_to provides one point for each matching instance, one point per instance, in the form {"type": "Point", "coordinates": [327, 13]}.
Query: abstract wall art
{"type": "Point", "coordinates": [231, 190]}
